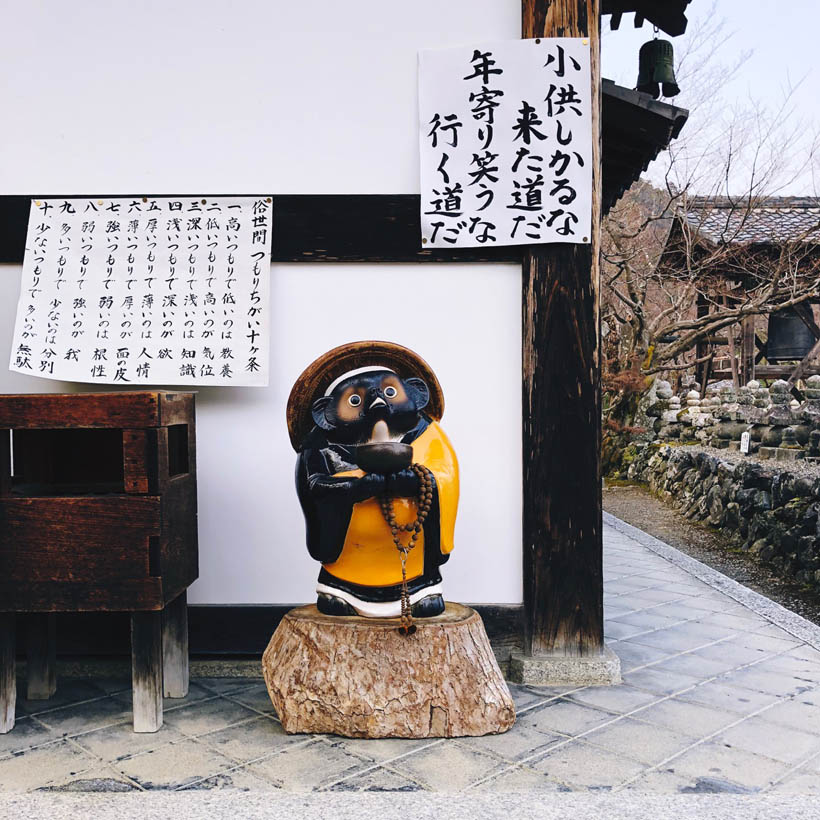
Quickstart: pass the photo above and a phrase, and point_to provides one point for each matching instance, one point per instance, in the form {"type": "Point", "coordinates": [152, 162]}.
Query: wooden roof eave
{"type": "Point", "coordinates": [668, 15]}
{"type": "Point", "coordinates": [635, 129]}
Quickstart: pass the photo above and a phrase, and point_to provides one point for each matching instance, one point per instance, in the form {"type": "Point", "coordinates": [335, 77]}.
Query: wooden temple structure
{"type": "Point", "coordinates": [732, 242]}
{"type": "Point", "coordinates": [562, 613]}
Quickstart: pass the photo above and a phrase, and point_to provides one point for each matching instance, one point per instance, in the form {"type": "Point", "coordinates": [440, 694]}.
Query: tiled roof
{"type": "Point", "coordinates": [773, 220]}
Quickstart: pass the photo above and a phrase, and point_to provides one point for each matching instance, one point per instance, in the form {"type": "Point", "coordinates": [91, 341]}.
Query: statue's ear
{"type": "Point", "coordinates": [418, 391]}
{"type": "Point", "coordinates": [319, 412]}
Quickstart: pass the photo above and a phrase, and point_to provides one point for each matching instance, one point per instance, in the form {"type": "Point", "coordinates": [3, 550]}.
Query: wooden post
{"type": "Point", "coordinates": [146, 670]}
{"type": "Point", "coordinates": [175, 647]}
{"type": "Point", "coordinates": [41, 655]}
{"type": "Point", "coordinates": [563, 583]}
{"type": "Point", "coordinates": [733, 362]}
{"type": "Point", "coordinates": [701, 348]}
{"type": "Point", "coordinates": [706, 373]}
{"type": "Point", "coordinates": [747, 349]}
{"type": "Point", "coordinates": [8, 673]}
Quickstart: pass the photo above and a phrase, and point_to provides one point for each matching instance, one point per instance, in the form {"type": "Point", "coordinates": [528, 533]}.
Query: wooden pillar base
{"type": "Point", "coordinates": [558, 669]}
{"type": "Point", "coordinates": [175, 647]}
{"type": "Point", "coordinates": [41, 656]}
{"type": "Point", "coordinates": [360, 677]}
{"type": "Point", "coordinates": [8, 672]}
{"type": "Point", "coordinates": [146, 670]}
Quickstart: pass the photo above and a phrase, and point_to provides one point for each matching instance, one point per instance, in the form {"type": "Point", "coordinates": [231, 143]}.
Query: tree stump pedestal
{"type": "Point", "coordinates": [360, 677]}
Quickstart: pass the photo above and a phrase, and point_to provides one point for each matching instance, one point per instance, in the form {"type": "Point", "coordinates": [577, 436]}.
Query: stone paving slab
{"type": "Point", "coordinates": [721, 696]}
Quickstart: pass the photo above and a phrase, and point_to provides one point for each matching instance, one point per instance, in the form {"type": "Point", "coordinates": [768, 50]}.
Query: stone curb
{"type": "Point", "coordinates": [420, 805]}
{"type": "Point", "coordinates": [784, 618]}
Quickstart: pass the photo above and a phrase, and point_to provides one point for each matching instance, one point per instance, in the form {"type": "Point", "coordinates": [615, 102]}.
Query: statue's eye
{"type": "Point", "coordinates": [355, 400]}
{"type": "Point", "coordinates": [390, 392]}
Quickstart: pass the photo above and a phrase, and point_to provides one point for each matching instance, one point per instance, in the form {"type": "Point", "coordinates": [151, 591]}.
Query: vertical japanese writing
{"type": "Point", "coordinates": [259, 239]}
{"type": "Point", "coordinates": [565, 107]}
{"type": "Point", "coordinates": [483, 103]}
{"type": "Point", "coordinates": [142, 291]}
{"type": "Point", "coordinates": [31, 294]}
{"type": "Point", "coordinates": [506, 143]}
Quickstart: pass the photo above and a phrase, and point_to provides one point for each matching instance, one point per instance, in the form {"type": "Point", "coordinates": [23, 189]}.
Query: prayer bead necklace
{"type": "Point", "coordinates": [425, 501]}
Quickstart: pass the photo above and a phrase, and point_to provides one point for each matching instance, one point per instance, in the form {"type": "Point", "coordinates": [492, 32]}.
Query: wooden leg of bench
{"type": "Point", "coordinates": [41, 656]}
{"type": "Point", "coordinates": [175, 647]}
{"type": "Point", "coordinates": [146, 670]}
{"type": "Point", "coordinates": [8, 673]}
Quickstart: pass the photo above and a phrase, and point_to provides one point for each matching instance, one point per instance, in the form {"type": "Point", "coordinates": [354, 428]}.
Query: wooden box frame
{"type": "Point", "coordinates": [116, 533]}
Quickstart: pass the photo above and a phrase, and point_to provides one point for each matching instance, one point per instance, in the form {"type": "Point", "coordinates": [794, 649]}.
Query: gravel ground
{"type": "Point", "coordinates": [637, 506]}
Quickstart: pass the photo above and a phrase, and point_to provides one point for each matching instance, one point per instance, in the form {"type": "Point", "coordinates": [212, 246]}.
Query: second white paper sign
{"type": "Point", "coordinates": [146, 290]}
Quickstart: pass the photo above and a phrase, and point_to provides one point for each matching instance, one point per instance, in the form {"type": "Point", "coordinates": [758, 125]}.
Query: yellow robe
{"type": "Point", "coordinates": [369, 557]}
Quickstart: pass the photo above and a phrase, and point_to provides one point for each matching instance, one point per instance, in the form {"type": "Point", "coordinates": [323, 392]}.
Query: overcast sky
{"type": "Point", "coordinates": [781, 40]}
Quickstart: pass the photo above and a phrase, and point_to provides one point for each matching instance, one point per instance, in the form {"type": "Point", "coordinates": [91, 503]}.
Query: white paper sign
{"type": "Point", "coordinates": [745, 442]}
{"type": "Point", "coordinates": [506, 143]}
{"type": "Point", "coordinates": [146, 291]}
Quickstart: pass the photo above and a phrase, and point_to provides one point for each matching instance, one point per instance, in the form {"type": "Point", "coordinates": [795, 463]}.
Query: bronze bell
{"type": "Point", "coordinates": [656, 64]}
{"type": "Point", "coordinates": [789, 338]}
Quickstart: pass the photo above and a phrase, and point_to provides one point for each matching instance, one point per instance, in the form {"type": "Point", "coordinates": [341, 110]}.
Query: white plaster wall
{"type": "Point", "coordinates": [275, 96]}
{"type": "Point", "coordinates": [221, 96]}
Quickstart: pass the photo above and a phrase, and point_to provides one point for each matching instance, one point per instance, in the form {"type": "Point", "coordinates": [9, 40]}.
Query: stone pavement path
{"type": "Point", "coordinates": [720, 694]}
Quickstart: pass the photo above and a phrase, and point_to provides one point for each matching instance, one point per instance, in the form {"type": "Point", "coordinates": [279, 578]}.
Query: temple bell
{"type": "Point", "coordinates": [656, 69]}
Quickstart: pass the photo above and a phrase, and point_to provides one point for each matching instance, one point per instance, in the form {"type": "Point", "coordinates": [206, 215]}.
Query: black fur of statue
{"type": "Point", "coordinates": [343, 420]}
{"type": "Point", "coordinates": [348, 423]}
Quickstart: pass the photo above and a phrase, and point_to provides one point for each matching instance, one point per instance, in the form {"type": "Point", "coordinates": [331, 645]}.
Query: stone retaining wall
{"type": "Point", "coordinates": [765, 509]}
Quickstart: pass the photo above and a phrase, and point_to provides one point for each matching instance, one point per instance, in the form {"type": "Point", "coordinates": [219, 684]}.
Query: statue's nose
{"type": "Point", "coordinates": [375, 399]}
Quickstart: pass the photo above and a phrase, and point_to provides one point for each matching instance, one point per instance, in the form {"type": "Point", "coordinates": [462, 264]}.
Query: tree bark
{"type": "Point", "coordinates": [359, 677]}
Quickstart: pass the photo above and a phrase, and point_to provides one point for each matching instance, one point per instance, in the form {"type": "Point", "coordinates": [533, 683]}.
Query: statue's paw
{"type": "Point", "coordinates": [331, 605]}
{"type": "Point", "coordinates": [428, 607]}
